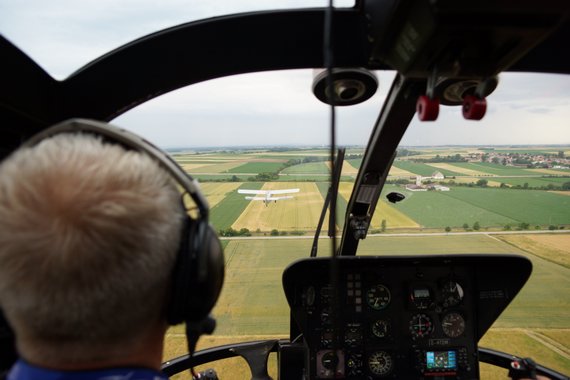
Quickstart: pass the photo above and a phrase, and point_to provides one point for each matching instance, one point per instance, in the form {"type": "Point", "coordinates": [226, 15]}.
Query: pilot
{"type": "Point", "coordinates": [88, 238]}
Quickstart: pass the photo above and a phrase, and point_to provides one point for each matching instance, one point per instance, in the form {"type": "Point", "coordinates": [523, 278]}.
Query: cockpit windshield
{"type": "Point", "coordinates": [259, 145]}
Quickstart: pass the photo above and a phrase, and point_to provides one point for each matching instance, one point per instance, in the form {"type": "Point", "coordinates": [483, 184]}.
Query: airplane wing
{"type": "Point", "coordinates": [256, 198]}
{"type": "Point", "coordinates": [245, 191]}
{"type": "Point", "coordinates": [278, 198]}
{"type": "Point", "coordinates": [284, 191]}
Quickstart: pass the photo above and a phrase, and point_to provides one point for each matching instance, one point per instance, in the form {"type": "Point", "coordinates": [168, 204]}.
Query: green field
{"type": "Point", "coordinates": [437, 209]}
{"type": "Point", "coordinates": [533, 181]}
{"type": "Point", "coordinates": [257, 167]}
{"type": "Point", "coordinates": [493, 169]}
{"type": "Point", "coordinates": [425, 170]}
{"type": "Point", "coordinates": [530, 206]}
{"type": "Point", "coordinates": [224, 214]}
{"type": "Point", "coordinates": [355, 162]}
{"type": "Point", "coordinates": [308, 168]}
{"type": "Point", "coordinates": [252, 305]}
{"type": "Point", "coordinates": [418, 168]}
{"type": "Point", "coordinates": [254, 264]}
{"type": "Point", "coordinates": [491, 207]}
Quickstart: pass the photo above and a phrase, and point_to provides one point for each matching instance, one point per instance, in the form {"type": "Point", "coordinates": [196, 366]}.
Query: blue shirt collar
{"type": "Point", "coordinates": [25, 371]}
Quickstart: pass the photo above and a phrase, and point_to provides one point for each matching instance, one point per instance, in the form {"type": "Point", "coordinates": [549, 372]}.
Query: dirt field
{"type": "Point", "coordinates": [215, 192]}
{"type": "Point", "coordinates": [394, 218]}
{"type": "Point", "coordinates": [555, 247]}
{"type": "Point", "coordinates": [459, 169]}
{"type": "Point", "coordinates": [567, 193]}
{"type": "Point", "coordinates": [397, 172]}
{"type": "Point", "coordinates": [347, 168]}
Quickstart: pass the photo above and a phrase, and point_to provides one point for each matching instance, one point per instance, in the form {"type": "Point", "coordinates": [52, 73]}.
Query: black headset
{"type": "Point", "coordinates": [198, 273]}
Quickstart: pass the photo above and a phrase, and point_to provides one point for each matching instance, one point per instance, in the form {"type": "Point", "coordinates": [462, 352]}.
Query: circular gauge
{"type": "Point", "coordinates": [420, 326]}
{"type": "Point", "coordinates": [381, 328]}
{"type": "Point", "coordinates": [353, 336]}
{"type": "Point", "coordinates": [453, 325]}
{"type": "Point", "coordinates": [329, 360]}
{"type": "Point", "coordinates": [380, 363]}
{"type": "Point", "coordinates": [452, 293]}
{"type": "Point", "coordinates": [378, 297]}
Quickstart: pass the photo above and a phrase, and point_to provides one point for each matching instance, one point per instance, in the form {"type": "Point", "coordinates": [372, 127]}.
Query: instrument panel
{"type": "Point", "coordinates": [391, 318]}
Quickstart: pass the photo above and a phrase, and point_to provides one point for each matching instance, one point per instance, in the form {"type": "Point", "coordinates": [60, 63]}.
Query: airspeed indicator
{"type": "Point", "coordinates": [378, 297]}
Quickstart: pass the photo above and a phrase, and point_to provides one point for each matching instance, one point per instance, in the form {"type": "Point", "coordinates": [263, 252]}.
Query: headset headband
{"type": "Point", "coordinates": [133, 142]}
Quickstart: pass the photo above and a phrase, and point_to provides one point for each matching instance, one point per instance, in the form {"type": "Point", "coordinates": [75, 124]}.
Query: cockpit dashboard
{"type": "Point", "coordinates": [396, 317]}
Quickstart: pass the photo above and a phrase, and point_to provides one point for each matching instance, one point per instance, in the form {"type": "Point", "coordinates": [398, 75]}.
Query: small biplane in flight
{"type": "Point", "coordinates": [364, 309]}
{"type": "Point", "coordinates": [268, 196]}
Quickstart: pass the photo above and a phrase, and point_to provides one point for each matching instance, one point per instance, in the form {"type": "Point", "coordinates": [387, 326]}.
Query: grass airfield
{"type": "Point", "coordinates": [300, 213]}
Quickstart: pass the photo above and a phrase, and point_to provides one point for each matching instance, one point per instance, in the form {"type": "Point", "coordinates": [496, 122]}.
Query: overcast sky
{"type": "Point", "coordinates": [264, 108]}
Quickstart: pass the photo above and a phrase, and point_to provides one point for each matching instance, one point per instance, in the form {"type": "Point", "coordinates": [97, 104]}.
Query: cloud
{"type": "Point", "coordinates": [272, 107]}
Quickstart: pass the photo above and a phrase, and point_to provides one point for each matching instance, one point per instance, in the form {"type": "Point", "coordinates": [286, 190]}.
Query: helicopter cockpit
{"type": "Point", "coordinates": [351, 316]}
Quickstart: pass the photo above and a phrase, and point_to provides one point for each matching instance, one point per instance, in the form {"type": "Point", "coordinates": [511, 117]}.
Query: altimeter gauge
{"type": "Point", "coordinates": [380, 363]}
{"type": "Point", "coordinates": [453, 325]}
{"type": "Point", "coordinates": [381, 328]}
{"type": "Point", "coordinates": [452, 293]}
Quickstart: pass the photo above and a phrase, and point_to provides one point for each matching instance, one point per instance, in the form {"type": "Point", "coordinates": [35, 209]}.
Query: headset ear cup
{"type": "Point", "coordinates": [198, 274]}
{"type": "Point", "coordinates": [211, 285]}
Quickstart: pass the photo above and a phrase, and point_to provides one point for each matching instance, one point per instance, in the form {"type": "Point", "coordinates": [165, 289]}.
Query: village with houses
{"type": "Point", "coordinates": [542, 164]}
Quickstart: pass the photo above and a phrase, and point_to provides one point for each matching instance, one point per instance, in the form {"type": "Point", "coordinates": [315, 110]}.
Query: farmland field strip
{"type": "Point", "coordinates": [446, 169]}
{"type": "Point", "coordinates": [224, 214]}
{"type": "Point", "coordinates": [550, 343]}
{"type": "Point", "coordinates": [414, 167]}
{"type": "Point", "coordinates": [383, 211]}
{"type": "Point", "coordinates": [347, 168]}
{"type": "Point", "coordinates": [518, 342]}
{"type": "Point", "coordinates": [563, 193]}
{"type": "Point", "coordinates": [535, 203]}
{"type": "Point", "coordinates": [432, 209]}
{"type": "Point", "coordinates": [341, 205]}
{"type": "Point", "coordinates": [355, 162]}
{"type": "Point", "coordinates": [491, 210]}
{"type": "Point", "coordinates": [528, 250]}
{"type": "Point", "coordinates": [276, 257]}
{"type": "Point", "coordinates": [216, 168]}
{"type": "Point", "coordinates": [493, 169]}
{"type": "Point", "coordinates": [394, 217]}
{"type": "Point", "coordinates": [215, 192]}
{"type": "Point", "coordinates": [308, 168]}
{"type": "Point", "coordinates": [397, 172]}
{"type": "Point", "coordinates": [532, 181]}
{"type": "Point", "coordinates": [558, 172]}
{"type": "Point", "coordinates": [307, 204]}
{"type": "Point", "coordinates": [257, 167]}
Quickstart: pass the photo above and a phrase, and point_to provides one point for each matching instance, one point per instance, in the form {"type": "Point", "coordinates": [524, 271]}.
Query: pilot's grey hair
{"type": "Point", "coordinates": [88, 237]}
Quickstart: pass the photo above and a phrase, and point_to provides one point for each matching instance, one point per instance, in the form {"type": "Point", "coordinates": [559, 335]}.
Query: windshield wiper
{"type": "Point", "coordinates": [333, 189]}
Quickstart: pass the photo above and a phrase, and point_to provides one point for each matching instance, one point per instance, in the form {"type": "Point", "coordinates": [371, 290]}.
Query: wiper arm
{"type": "Point", "coordinates": [333, 190]}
